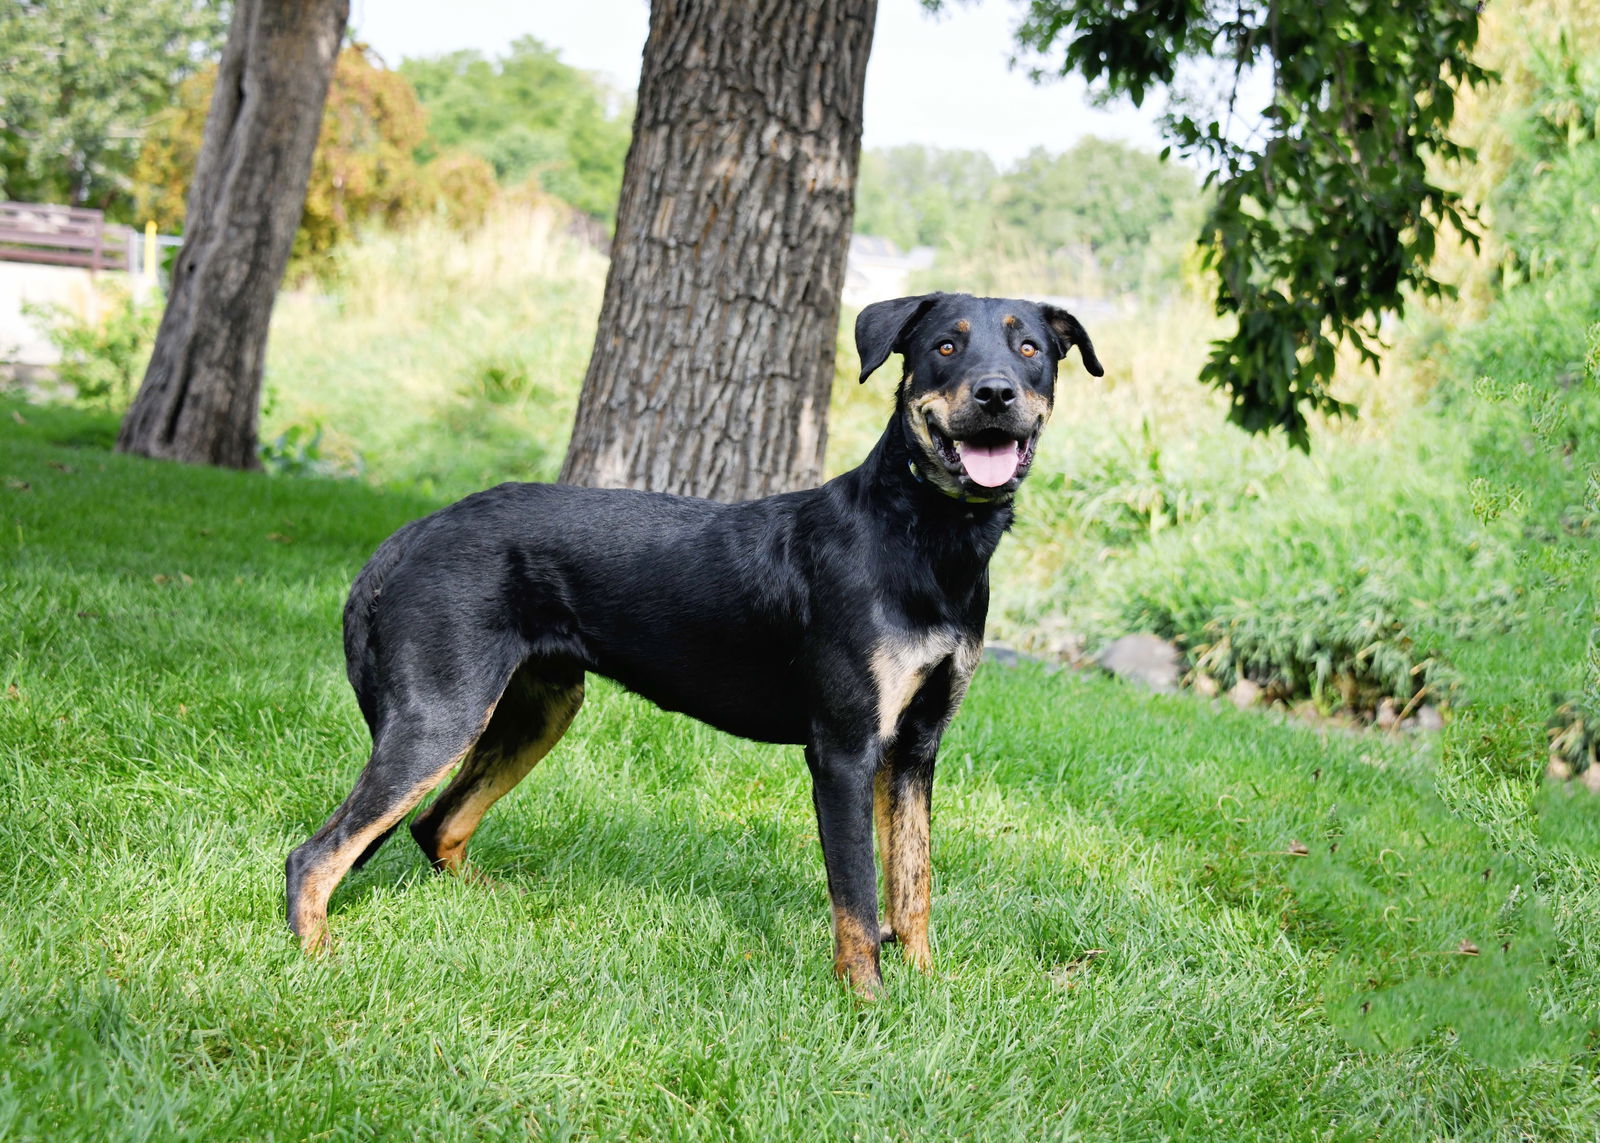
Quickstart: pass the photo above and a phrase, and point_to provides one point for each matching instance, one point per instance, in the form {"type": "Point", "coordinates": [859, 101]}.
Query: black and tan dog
{"type": "Point", "coordinates": [847, 619]}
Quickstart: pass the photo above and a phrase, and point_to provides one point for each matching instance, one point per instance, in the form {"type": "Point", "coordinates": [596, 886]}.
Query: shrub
{"type": "Point", "coordinates": [103, 357]}
{"type": "Point", "coordinates": [1347, 587]}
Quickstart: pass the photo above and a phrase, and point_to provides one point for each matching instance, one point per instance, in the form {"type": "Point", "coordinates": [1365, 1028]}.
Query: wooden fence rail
{"type": "Point", "coordinates": [62, 236]}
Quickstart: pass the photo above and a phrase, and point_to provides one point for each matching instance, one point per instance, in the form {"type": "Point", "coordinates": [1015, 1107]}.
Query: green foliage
{"type": "Point", "coordinates": [1325, 213]}
{"type": "Point", "coordinates": [103, 357]}
{"type": "Point", "coordinates": [298, 451]}
{"type": "Point", "coordinates": [1127, 493]}
{"type": "Point", "coordinates": [364, 169]}
{"type": "Point", "coordinates": [1124, 216]}
{"type": "Point", "coordinates": [440, 359]}
{"type": "Point", "coordinates": [1547, 207]}
{"type": "Point", "coordinates": [1101, 219]}
{"type": "Point", "coordinates": [499, 380]}
{"type": "Point", "coordinates": [922, 196]}
{"type": "Point", "coordinates": [77, 83]}
{"type": "Point", "coordinates": [531, 117]}
{"type": "Point", "coordinates": [1343, 603]}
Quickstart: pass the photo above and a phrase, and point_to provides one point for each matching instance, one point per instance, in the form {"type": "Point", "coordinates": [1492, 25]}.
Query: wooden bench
{"type": "Point", "coordinates": [62, 236]}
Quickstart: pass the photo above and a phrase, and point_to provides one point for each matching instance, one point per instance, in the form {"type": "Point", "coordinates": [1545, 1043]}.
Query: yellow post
{"type": "Point", "coordinates": [150, 250]}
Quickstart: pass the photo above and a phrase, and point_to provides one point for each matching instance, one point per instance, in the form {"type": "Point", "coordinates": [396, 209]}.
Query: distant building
{"type": "Point", "coordinates": [877, 269]}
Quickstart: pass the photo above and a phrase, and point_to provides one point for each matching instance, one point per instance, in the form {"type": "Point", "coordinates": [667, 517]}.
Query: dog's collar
{"type": "Point", "coordinates": [964, 497]}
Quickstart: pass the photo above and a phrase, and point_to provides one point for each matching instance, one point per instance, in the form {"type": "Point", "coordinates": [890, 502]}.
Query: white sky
{"type": "Point", "coordinates": [942, 81]}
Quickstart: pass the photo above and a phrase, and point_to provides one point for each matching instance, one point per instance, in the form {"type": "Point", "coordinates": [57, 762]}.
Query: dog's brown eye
{"type": "Point", "coordinates": [946, 348]}
{"type": "Point", "coordinates": [1028, 349]}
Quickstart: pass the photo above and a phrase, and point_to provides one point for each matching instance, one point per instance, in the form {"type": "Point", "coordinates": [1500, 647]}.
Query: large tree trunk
{"type": "Point", "coordinates": [714, 356]}
{"type": "Point", "coordinates": [201, 393]}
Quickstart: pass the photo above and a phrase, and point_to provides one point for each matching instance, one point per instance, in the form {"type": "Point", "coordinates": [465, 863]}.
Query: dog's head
{"type": "Point", "coordinates": [979, 382]}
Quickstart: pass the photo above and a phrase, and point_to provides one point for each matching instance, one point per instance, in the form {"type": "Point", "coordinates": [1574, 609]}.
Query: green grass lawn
{"type": "Point", "coordinates": [1154, 917]}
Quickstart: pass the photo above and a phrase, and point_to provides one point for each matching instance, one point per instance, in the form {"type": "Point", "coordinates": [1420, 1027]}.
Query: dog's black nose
{"type": "Point", "coordinates": [994, 394]}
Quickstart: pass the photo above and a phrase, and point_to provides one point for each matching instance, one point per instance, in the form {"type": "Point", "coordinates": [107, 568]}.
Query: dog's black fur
{"type": "Point", "coordinates": [847, 619]}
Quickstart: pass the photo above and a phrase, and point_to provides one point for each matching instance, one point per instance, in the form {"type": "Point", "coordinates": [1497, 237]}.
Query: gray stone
{"type": "Point", "coordinates": [1244, 693]}
{"type": "Point", "coordinates": [1144, 659]}
{"type": "Point", "coordinates": [1002, 654]}
{"type": "Point", "coordinates": [1429, 718]}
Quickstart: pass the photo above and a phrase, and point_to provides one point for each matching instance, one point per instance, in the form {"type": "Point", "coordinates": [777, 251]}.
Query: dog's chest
{"type": "Point", "coordinates": [902, 663]}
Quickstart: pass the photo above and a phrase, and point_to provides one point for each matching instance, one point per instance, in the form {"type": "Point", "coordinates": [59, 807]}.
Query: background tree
{"type": "Point", "coordinates": [531, 117]}
{"type": "Point", "coordinates": [925, 196]}
{"type": "Point", "coordinates": [201, 392]}
{"type": "Point", "coordinates": [713, 360]}
{"type": "Point", "coordinates": [1325, 214]}
{"type": "Point", "coordinates": [77, 83]}
{"type": "Point", "coordinates": [1101, 219]}
{"type": "Point", "coordinates": [364, 167]}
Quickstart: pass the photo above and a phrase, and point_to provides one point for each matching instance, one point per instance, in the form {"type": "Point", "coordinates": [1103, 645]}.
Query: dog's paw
{"type": "Point", "coordinates": [315, 942]}
{"type": "Point", "coordinates": [918, 956]}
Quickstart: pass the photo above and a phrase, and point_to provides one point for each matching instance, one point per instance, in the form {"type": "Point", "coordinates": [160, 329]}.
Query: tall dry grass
{"type": "Point", "coordinates": [437, 359]}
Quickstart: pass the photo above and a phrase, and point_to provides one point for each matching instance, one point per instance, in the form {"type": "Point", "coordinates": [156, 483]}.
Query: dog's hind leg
{"type": "Point", "coordinates": [413, 748]}
{"type": "Point", "coordinates": [538, 705]}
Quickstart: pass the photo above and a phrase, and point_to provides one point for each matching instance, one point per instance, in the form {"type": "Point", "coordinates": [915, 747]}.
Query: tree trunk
{"type": "Point", "coordinates": [201, 392]}
{"type": "Point", "coordinates": [714, 357]}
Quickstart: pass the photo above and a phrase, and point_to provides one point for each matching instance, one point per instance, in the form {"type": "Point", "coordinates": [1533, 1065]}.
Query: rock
{"type": "Point", "coordinates": [1002, 654]}
{"type": "Point", "coordinates": [1386, 716]}
{"type": "Point", "coordinates": [1558, 769]}
{"type": "Point", "coordinates": [1144, 659]}
{"type": "Point", "coordinates": [1203, 684]}
{"type": "Point", "coordinates": [1591, 779]}
{"type": "Point", "coordinates": [1429, 719]}
{"type": "Point", "coordinates": [1244, 693]}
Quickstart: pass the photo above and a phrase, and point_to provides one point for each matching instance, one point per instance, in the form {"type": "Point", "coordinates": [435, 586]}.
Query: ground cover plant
{"type": "Point", "coordinates": [1155, 918]}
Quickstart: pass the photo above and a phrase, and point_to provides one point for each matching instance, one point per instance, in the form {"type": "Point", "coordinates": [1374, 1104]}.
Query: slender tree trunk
{"type": "Point", "coordinates": [714, 356]}
{"type": "Point", "coordinates": [202, 390]}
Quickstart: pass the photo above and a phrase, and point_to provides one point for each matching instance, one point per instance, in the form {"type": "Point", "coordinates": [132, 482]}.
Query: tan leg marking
{"type": "Point", "coordinates": [855, 954]}
{"type": "Point", "coordinates": [883, 827]}
{"type": "Point", "coordinates": [908, 873]}
{"type": "Point", "coordinates": [311, 907]}
{"type": "Point", "coordinates": [478, 790]}
{"type": "Point", "coordinates": [903, 828]}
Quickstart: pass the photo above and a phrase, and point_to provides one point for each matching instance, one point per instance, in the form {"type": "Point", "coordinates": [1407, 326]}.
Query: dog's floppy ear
{"type": "Point", "coordinates": [1070, 332]}
{"type": "Point", "coordinates": [881, 325]}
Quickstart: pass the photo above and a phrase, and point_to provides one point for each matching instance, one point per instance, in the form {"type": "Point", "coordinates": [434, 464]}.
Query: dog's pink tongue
{"type": "Point", "coordinates": [990, 465]}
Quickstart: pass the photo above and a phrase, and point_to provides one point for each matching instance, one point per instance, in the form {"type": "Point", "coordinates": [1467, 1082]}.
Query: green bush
{"type": "Point", "coordinates": [103, 358]}
{"type": "Point", "coordinates": [1346, 586]}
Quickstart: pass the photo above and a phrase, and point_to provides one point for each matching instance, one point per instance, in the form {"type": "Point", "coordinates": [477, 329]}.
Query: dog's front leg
{"type": "Point", "coordinates": [903, 795]}
{"type": "Point", "coordinates": [841, 789]}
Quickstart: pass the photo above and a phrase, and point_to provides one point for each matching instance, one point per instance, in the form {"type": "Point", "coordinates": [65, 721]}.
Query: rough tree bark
{"type": "Point", "coordinates": [714, 356]}
{"type": "Point", "coordinates": [201, 393]}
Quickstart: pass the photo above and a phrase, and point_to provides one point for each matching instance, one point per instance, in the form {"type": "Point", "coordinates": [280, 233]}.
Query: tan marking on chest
{"type": "Point", "coordinates": [964, 660]}
{"type": "Point", "coordinates": [899, 667]}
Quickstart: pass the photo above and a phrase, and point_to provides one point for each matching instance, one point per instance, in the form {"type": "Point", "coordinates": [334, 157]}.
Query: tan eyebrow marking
{"type": "Point", "coordinates": [963, 326]}
{"type": "Point", "coordinates": [1009, 319]}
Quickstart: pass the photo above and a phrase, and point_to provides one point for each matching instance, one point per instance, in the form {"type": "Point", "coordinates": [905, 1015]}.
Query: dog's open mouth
{"type": "Point", "coordinates": [990, 458]}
